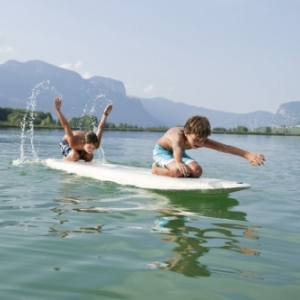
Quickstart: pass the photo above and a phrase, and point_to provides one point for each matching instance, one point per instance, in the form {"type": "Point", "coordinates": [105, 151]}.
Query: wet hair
{"type": "Point", "coordinates": [91, 138]}
{"type": "Point", "coordinates": [198, 125]}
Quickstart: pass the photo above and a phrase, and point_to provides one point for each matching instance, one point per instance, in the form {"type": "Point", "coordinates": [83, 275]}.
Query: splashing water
{"type": "Point", "coordinates": [28, 118]}
{"type": "Point", "coordinates": [90, 109]}
{"type": "Point", "coordinates": [28, 121]}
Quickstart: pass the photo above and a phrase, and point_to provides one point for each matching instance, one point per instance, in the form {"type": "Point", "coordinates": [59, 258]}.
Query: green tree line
{"type": "Point", "coordinates": [15, 117]}
{"type": "Point", "coordinates": [10, 117]}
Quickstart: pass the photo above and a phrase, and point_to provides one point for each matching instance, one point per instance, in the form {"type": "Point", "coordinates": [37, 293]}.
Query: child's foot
{"type": "Point", "coordinates": [154, 168]}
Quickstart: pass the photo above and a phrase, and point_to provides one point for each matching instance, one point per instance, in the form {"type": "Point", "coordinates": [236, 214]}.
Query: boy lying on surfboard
{"type": "Point", "coordinates": [170, 158]}
{"type": "Point", "coordinates": [77, 145]}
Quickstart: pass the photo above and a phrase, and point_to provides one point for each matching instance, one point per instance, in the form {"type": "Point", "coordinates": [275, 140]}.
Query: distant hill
{"type": "Point", "coordinates": [17, 81]}
{"type": "Point", "coordinates": [20, 82]}
{"type": "Point", "coordinates": [159, 108]}
{"type": "Point", "coordinates": [288, 114]}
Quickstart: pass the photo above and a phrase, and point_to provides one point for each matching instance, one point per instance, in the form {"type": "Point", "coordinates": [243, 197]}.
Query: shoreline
{"type": "Point", "coordinates": [50, 128]}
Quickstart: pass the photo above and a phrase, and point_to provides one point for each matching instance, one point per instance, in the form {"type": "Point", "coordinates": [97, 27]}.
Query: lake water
{"type": "Point", "coordinates": [66, 237]}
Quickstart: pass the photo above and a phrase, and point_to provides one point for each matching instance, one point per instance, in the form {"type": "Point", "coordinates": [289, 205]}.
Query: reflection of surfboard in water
{"type": "Point", "coordinates": [143, 178]}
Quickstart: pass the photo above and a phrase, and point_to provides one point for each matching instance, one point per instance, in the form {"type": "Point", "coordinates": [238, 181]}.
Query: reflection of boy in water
{"type": "Point", "coordinates": [77, 145]}
{"type": "Point", "coordinates": [189, 240]}
{"type": "Point", "coordinates": [186, 260]}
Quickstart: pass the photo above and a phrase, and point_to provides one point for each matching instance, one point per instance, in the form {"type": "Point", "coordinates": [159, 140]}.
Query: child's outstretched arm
{"type": "Point", "coordinates": [255, 159]}
{"type": "Point", "coordinates": [63, 121]}
{"type": "Point", "coordinates": [99, 132]}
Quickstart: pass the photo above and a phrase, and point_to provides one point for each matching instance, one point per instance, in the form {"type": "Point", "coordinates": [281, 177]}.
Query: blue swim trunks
{"type": "Point", "coordinates": [65, 148]}
{"type": "Point", "coordinates": [163, 157]}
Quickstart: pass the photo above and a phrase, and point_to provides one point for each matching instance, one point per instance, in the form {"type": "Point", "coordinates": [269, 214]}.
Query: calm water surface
{"type": "Point", "coordinates": [66, 237]}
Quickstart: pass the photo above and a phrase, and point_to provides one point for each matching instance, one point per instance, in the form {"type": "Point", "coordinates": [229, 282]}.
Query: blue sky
{"type": "Point", "coordinates": [230, 55]}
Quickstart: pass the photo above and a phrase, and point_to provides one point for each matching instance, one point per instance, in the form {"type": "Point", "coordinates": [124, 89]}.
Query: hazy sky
{"type": "Point", "coordinates": [230, 55]}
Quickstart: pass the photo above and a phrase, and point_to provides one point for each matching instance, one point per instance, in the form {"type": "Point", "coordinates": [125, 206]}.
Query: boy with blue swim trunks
{"type": "Point", "coordinates": [170, 158]}
{"type": "Point", "coordinates": [77, 145]}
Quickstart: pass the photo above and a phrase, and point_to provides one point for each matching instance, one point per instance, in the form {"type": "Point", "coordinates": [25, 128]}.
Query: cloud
{"type": "Point", "coordinates": [77, 67]}
{"type": "Point", "coordinates": [86, 75]}
{"type": "Point", "coordinates": [149, 89]}
{"type": "Point", "coordinates": [7, 50]}
{"type": "Point", "coordinates": [66, 66]}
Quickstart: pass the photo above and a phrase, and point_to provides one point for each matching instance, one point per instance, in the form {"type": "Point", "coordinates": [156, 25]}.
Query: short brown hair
{"type": "Point", "coordinates": [91, 138]}
{"type": "Point", "coordinates": [198, 125]}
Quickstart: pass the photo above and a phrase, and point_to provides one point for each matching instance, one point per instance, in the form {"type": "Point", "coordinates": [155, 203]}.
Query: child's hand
{"type": "Point", "coordinates": [108, 109]}
{"type": "Point", "coordinates": [184, 169]}
{"type": "Point", "coordinates": [57, 103]}
{"type": "Point", "coordinates": [256, 159]}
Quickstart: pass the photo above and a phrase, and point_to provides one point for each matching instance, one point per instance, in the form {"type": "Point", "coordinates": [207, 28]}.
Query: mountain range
{"type": "Point", "coordinates": [35, 84]}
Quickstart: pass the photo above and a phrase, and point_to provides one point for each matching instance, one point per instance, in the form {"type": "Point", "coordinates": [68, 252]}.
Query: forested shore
{"type": "Point", "coordinates": [16, 118]}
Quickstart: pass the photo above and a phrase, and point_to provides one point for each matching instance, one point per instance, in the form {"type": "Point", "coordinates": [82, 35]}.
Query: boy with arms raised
{"type": "Point", "coordinates": [170, 158]}
{"type": "Point", "coordinates": [77, 145]}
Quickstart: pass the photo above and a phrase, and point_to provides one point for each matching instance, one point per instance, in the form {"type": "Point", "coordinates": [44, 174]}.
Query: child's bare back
{"type": "Point", "coordinates": [77, 140]}
{"type": "Point", "coordinates": [173, 136]}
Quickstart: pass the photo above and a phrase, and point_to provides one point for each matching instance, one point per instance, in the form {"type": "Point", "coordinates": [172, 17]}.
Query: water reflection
{"type": "Point", "coordinates": [215, 206]}
{"type": "Point", "coordinates": [193, 242]}
{"type": "Point", "coordinates": [65, 233]}
{"type": "Point", "coordinates": [195, 236]}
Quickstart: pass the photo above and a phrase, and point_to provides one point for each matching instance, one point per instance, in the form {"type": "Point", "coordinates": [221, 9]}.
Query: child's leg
{"type": "Point", "coordinates": [196, 170]}
{"type": "Point", "coordinates": [161, 171]}
{"type": "Point", "coordinates": [165, 164]}
{"type": "Point", "coordinates": [169, 170]}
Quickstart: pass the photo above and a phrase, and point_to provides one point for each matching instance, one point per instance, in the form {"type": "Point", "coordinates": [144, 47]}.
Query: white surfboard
{"type": "Point", "coordinates": [143, 178]}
